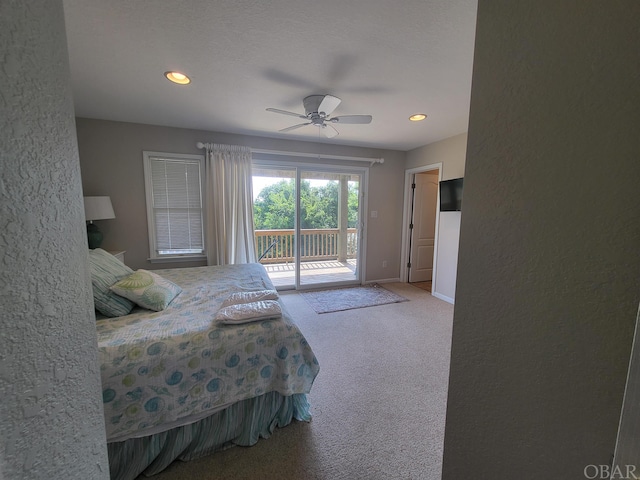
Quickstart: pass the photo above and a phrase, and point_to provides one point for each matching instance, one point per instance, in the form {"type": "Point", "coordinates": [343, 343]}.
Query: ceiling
{"type": "Point", "coordinates": [383, 58]}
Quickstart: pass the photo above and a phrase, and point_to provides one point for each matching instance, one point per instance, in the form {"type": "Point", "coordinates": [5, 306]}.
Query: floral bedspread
{"type": "Point", "coordinates": [170, 368]}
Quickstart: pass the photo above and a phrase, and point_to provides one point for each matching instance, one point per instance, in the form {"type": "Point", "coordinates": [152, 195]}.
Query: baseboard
{"type": "Point", "coordinates": [443, 297]}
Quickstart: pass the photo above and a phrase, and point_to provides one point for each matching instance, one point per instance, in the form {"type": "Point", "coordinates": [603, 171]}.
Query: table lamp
{"type": "Point", "coordinates": [96, 208]}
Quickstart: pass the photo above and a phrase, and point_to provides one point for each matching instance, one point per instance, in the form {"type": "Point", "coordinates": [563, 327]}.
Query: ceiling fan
{"type": "Point", "coordinates": [318, 109]}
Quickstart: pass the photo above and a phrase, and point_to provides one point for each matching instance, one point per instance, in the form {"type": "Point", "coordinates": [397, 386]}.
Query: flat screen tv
{"type": "Point", "coordinates": [451, 195]}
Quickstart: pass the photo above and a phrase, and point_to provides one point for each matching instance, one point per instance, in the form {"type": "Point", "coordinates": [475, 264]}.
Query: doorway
{"type": "Point", "coordinates": [420, 225]}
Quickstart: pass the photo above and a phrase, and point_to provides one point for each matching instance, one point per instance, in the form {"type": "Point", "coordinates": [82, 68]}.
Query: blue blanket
{"type": "Point", "coordinates": [165, 369]}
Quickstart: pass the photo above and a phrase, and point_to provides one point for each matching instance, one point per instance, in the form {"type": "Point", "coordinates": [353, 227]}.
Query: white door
{"type": "Point", "coordinates": [425, 197]}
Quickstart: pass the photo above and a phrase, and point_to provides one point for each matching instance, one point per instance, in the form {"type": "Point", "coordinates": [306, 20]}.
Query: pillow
{"type": "Point", "coordinates": [105, 271]}
{"type": "Point", "coordinates": [248, 297]}
{"type": "Point", "coordinates": [147, 289]}
{"type": "Point", "coordinates": [249, 312]}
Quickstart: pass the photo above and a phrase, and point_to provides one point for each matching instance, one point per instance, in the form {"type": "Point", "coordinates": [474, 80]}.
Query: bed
{"type": "Point", "coordinates": [179, 384]}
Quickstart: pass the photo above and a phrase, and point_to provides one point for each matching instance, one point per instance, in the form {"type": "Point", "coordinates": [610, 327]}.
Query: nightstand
{"type": "Point", "coordinates": [118, 254]}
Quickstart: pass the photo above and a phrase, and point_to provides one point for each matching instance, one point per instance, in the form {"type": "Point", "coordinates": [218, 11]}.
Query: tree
{"type": "Point", "coordinates": [319, 205]}
{"type": "Point", "coordinates": [274, 207]}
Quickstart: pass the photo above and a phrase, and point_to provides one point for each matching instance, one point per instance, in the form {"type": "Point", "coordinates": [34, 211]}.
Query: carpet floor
{"type": "Point", "coordinates": [378, 403]}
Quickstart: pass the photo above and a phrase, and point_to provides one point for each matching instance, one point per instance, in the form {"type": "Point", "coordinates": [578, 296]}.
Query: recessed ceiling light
{"type": "Point", "coordinates": [417, 117]}
{"type": "Point", "coordinates": [177, 77]}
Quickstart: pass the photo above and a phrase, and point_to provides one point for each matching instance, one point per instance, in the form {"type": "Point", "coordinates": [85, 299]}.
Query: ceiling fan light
{"type": "Point", "coordinates": [417, 117]}
{"type": "Point", "coordinates": [177, 77]}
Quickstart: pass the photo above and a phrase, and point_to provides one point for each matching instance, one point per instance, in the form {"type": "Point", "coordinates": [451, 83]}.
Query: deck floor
{"type": "Point", "coordinates": [315, 272]}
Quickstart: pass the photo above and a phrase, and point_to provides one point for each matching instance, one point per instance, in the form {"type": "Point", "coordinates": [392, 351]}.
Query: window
{"type": "Point", "coordinates": [173, 184]}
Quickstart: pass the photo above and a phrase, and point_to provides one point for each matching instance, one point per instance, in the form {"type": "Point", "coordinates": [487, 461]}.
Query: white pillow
{"type": "Point", "coordinates": [248, 297]}
{"type": "Point", "coordinates": [249, 312]}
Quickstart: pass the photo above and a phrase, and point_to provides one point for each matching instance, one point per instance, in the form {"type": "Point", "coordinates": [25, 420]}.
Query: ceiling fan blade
{"type": "Point", "coordinates": [352, 119]}
{"type": "Point", "coordinates": [284, 112]}
{"type": "Point", "coordinates": [288, 129]}
{"type": "Point", "coordinates": [329, 131]}
{"type": "Point", "coordinates": [289, 79]}
{"type": "Point", "coordinates": [328, 104]}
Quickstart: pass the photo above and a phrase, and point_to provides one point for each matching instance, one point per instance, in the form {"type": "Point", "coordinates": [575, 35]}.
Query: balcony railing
{"type": "Point", "coordinates": [315, 244]}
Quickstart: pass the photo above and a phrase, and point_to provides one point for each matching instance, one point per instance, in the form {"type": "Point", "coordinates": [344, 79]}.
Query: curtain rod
{"type": "Point", "coordinates": [302, 154]}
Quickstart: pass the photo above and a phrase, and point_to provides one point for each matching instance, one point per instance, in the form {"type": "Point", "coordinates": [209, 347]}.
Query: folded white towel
{"type": "Point", "coordinates": [249, 312]}
{"type": "Point", "coordinates": [248, 297]}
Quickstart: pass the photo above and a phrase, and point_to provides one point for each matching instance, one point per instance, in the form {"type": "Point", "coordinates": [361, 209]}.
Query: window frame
{"type": "Point", "coordinates": [154, 256]}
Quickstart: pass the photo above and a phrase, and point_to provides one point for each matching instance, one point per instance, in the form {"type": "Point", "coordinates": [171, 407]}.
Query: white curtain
{"type": "Point", "coordinates": [230, 234]}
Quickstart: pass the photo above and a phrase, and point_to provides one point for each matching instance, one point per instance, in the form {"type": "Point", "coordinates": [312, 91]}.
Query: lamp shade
{"type": "Point", "coordinates": [98, 208]}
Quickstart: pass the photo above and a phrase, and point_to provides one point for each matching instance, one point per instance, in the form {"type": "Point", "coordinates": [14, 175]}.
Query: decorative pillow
{"type": "Point", "coordinates": [249, 312]}
{"type": "Point", "coordinates": [147, 289]}
{"type": "Point", "coordinates": [248, 297]}
{"type": "Point", "coordinates": [105, 271]}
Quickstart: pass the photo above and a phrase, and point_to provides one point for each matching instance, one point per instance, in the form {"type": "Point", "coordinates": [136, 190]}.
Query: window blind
{"type": "Point", "coordinates": [177, 206]}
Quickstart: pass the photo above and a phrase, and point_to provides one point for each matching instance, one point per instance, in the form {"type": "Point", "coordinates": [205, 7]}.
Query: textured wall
{"type": "Point", "coordinates": [111, 163]}
{"type": "Point", "coordinates": [549, 265]}
{"type": "Point", "coordinates": [50, 401]}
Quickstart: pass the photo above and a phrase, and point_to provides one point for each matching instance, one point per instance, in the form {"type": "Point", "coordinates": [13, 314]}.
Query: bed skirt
{"type": "Point", "coordinates": [240, 424]}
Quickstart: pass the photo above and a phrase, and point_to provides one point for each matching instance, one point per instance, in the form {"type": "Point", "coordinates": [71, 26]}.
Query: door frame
{"type": "Point", "coordinates": [406, 219]}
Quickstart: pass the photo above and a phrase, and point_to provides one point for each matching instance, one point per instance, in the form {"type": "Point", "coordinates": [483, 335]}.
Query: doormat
{"type": "Point", "coordinates": [338, 299]}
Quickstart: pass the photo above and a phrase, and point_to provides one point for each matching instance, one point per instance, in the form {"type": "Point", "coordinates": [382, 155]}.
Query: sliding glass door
{"type": "Point", "coordinates": [308, 224]}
